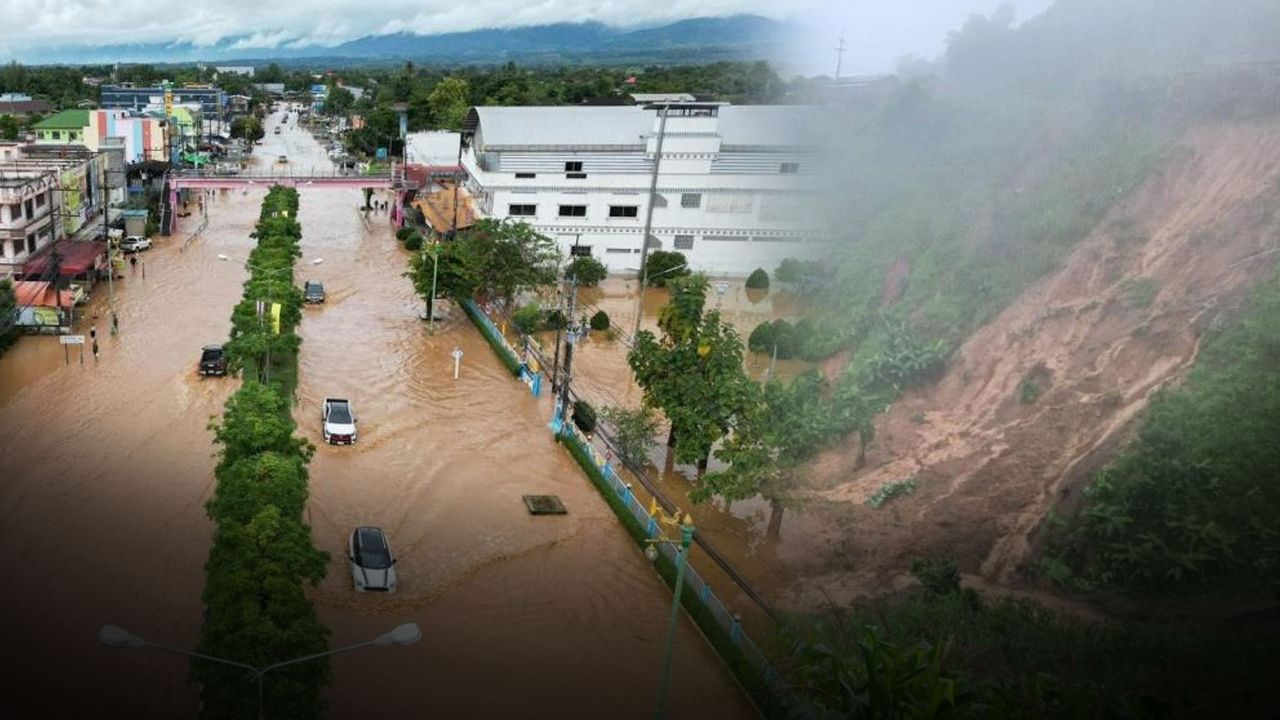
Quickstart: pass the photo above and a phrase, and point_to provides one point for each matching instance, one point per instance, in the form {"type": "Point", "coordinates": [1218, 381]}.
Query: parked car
{"type": "Point", "coordinates": [212, 360]}
{"type": "Point", "coordinates": [134, 243]}
{"type": "Point", "coordinates": [277, 130]}
{"type": "Point", "coordinates": [282, 159]}
{"type": "Point", "coordinates": [313, 291]}
{"type": "Point", "coordinates": [372, 564]}
{"type": "Point", "coordinates": [339, 422]}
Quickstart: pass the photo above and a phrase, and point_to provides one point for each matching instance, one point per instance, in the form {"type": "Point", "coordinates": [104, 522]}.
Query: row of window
{"type": "Point", "coordinates": [615, 211]}
{"type": "Point", "coordinates": [573, 170]}
{"type": "Point", "coordinates": [31, 205]}
{"type": "Point", "coordinates": [17, 246]}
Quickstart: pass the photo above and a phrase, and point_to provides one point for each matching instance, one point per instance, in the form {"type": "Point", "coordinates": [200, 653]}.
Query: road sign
{"type": "Point", "coordinates": [457, 360]}
{"type": "Point", "coordinates": [71, 339]}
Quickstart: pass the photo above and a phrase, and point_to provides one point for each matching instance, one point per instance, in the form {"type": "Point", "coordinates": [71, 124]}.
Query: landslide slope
{"type": "Point", "coordinates": [1040, 396]}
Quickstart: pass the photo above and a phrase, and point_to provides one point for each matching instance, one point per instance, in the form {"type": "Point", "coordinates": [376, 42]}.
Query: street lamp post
{"type": "Point", "coordinates": [118, 637]}
{"type": "Point", "coordinates": [682, 558]}
{"type": "Point", "coordinates": [266, 368]}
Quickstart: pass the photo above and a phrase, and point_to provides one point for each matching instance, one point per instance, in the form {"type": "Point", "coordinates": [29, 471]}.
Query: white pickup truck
{"type": "Point", "coordinates": [339, 422]}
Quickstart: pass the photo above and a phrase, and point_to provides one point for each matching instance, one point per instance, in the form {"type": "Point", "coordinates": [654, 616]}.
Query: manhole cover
{"type": "Point", "coordinates": [544, 505]}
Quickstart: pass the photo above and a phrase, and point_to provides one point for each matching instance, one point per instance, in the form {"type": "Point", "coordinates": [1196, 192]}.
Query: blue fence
{"type": "Point", "coordinates": [730, 622]}
{"type": "Point", "coordinates": [521, 364]}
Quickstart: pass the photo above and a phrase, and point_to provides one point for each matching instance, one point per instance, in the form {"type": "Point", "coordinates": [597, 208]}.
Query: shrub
{"type": "Point", "coordinates": [939, 577]}
{"type": "Point", "coordinates": [584, 416]}
{"type": "Point", "coordinates": [661, 264]}
{"type": "Point", "coordinates": [891, 490]}
{"type": "Point", "coordinates": [586, 270]}
{"type": "Point", "coordinates": [403, 233]}
{"type": "Point", "coordinates": [554, 320]}
{"type": "Point", "coordinates": [633, 432]}
{"type": "Point", "coordinates": [600, 321]}
{"type": "Point", "coordinates": [527, 318]}
{"type": "Point", "coordinates": [758, 280]}
{"type": "Point", "coordinates": [414, 242]}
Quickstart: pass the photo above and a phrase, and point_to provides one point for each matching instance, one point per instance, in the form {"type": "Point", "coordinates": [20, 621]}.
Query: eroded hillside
{"type": "Point", "coordinates": [1040, 396]}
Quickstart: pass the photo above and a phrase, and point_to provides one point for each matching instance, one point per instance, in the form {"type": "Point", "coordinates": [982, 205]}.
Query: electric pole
{"type": "Point", "coordinates": [840, 50]}
{"type": "Point", "coordinates": [569, 340]}
{"type": "Point", "coordinates": [648, 219]}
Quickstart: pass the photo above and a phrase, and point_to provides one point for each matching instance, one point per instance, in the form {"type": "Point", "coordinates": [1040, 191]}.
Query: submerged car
{"type": "Point", "coordinates": [372, 564]}
{"type": "Point", "coordinates": [212, 360]}
{"type": "Point", "coordinates": [313, 291]}
{"type": "Point", "coordinates": [339, 422]}
{"type": "Point", "coordinates": [134, 243]}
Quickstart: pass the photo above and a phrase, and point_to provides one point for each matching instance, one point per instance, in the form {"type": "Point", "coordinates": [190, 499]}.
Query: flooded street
{"type": "Point", "coordinates": [106, 469]}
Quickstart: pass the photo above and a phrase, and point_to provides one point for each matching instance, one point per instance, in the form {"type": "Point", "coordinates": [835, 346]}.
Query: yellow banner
{"type": "Point", "coordinates": [275, 318]}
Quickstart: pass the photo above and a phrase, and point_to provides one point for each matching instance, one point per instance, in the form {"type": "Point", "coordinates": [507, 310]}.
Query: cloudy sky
{"type": "Point", "coordinates": [877, 31]}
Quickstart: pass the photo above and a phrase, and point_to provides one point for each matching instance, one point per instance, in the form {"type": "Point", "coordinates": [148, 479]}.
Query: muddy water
{"type": "Point", "coordinates": [105, 469]}
{"type": "Point", "coordinates": [746, 532]}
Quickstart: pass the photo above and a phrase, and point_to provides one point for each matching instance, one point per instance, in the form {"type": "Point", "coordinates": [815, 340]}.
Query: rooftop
{"type": "Point", "coordinates": [65, 120]}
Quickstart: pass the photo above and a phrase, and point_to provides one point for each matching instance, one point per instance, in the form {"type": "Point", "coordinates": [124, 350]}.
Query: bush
{"type": "Point", "coordinates": [661, 264]}
{"type": "Point", "coordinates": [584, 416]}
{"type": "Point", "coordinates": [758, 280]}
{"type": "Point", "coordinates": [414, 242]}
{"type": "Point", "coordinates": [528, 318]}
{"type": "Point", "coordinates": [600, 321]}
{"type": "Point", "coordinates": [586, 270]}
{"type": "Point", "coordinates": [634, 432]}
{"type": "Point", "coordinates": [403, 233]}
{"type": "Point", "coordinates": [554, 320]}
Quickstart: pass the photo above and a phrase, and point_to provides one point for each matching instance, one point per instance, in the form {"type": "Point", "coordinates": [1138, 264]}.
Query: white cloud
{"type": "Point", "coordinates": [43, 24]}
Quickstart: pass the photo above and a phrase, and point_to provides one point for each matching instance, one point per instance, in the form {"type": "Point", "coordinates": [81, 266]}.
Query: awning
{"type": "Point", "coordinates": [40, 294]}
{"type": "Point", "coordinates": [78, 258]}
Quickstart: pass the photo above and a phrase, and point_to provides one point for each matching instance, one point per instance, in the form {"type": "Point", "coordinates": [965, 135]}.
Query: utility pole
{"type": "Point", "coordinates": [648, 218]}
{"type": "Point", "coordinates": [568, 347]}
{"type": "Point", "coordinates": [555, 364]}
{"type": "Point", "coordinates": [840, 50]}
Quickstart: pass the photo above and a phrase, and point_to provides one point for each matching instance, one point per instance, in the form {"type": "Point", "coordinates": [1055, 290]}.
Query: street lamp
{"type": "Point", "coordinates": [117, 637]}
{"type": "Point", "coordinates": [644, 283]}
{"type": "Point", "coordinates": [682, 556]}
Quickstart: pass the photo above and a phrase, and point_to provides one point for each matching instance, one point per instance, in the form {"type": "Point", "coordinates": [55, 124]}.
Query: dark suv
{"type": "Point", "coordinates": [313, 292]}
{"type": "Point", "coordinates": [213, 361]}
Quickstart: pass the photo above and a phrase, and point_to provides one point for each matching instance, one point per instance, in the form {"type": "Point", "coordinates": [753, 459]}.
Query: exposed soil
{"type": "Point", "coordinates": [1121, 318]}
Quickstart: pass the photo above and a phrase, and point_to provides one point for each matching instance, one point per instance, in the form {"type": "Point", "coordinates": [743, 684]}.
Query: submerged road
{"type": "Point", "coordinates": [105, 468]}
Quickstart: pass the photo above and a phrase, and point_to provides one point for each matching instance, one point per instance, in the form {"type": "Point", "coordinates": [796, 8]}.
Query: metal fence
{"type": "Point", "coordinates": [728, 621]}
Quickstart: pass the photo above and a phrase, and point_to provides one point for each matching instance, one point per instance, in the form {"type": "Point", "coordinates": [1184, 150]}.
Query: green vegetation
{"type": "Point", "coordinates": [633, 432]}
{"type": "Point", "coordinates": [584, 416]}
{"type": "Point", "coordinates": [413, 242]}
{"type": "Point", "coordinates": [600, 321]}
{"type": "Point", "coordinates": [802, 275]}
{"type": "Point", "coordinates": [9, 127]}
{"type": "Point", "coordinates": [758, 280]}
{"type": "Point", "coordinates": [586, 271]}
{"type": "Point", "coordinates": [891, 490]}
{"type": "Point", "coordinates": [942, 652]}
{"type": "Point", "coordinates": [1140, 292]}
{"type": "Point", "coordinates": [1190, 504]}
{"type": "Point", "coordinates": [8, 315]}
{"type": "Point", "coordinates": [694, 374]}
{"type": "Point", "coordinates": [491, 259]}
{"type": "Point", "coordinates": [528, 319]}
{"type": "Point", "coordinates": [262, 557]}
{"type": "Point", "coordinates": [665, 266]}
{"type": "Point", "coordinates": [248, 128]}
{"type": "Point", "coordinates": [808, 339]}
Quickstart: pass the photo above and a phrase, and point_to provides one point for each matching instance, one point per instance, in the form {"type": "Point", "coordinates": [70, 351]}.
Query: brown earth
{"type": "Point", "coordinates": [1122, 317]}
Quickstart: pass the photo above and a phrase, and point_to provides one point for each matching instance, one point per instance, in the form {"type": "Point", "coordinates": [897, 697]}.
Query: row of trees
{"type": "Point", "coordinates": [8, 315]}
{"type": "Point", "coordinates": [492, 259]}
{"type": "Point", "coordinates": [257, 610]}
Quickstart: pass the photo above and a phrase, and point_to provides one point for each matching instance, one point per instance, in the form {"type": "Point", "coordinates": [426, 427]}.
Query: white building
{"type": "Point", "coordinates": [736, 187]}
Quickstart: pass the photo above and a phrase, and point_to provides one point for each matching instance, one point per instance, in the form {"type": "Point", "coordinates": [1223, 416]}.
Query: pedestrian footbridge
{"type": "Point", "coordinates": [198, 179]}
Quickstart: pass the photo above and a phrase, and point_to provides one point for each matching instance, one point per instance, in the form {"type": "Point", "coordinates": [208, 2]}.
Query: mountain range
{"type": "Point", "coordinates": [693, 40]}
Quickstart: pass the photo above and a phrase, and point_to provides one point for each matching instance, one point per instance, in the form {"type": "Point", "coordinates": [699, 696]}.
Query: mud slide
{"type": "Point", "coordinates": [1039, 398]}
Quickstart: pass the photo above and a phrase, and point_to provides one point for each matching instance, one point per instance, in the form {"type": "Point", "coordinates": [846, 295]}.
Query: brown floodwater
{"type": "Point", "coordinates": [106, 467]}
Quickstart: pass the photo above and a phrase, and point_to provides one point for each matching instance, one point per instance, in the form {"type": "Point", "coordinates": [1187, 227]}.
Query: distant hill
{"type": "Point", "coordinates": [694, 40]}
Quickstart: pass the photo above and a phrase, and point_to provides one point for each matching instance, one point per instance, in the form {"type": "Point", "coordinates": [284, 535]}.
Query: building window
{"type": "Point", "coordinates": [724, 238]}
{"type": "Point", "coordinates": [580, 250]}
{"type": "Point", "coordinates": [526, 176]}
{"type": "Point", "coordinates": [691, 200]}
{"type": "Point", "coordinates": [789, 168]}
{"type": "Point", "coordinates": [30, 212]}
{"type": "Point", "coordinates": [623, 211]}
{"type": "Point", "coordinates": [730, 203]}
{"type": "Point", "coordinates": [40, 200]}
{"type": "Point", "coordinates": [15, 212]}
{"type": "Point", "coordinates": [575, 176]}
{"type": "Point", "coordinates": [616, 250]}
{"type": "Point", "coordinates": [1, 249]}
{"type": "Point", "coordinates": [573, 167]}
{"type": "Point", "coordinates": [56, 135]}
{"type": "Point", "coordinates": [31, 243]}
{"type": "Point", "coordinates": [17, 248]}
{"type": "Point", "coordinates": [684, 242]}
{"type": "Point", "coordinates": [522, 210]}
{"type": "Point", "coordinates": [573, 211]}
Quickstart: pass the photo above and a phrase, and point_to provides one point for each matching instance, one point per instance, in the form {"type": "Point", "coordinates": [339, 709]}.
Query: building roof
{"type": "Point", "coordinates": [611, 126]}
{"type": "Point", "coordinates": [434, 148]}
{"type": "Point", "coordinates": [23, 107]}
{"type": "Point", "coordinates": [626, 127]}
{"type": "Point", "coordinates": [437, 208]}
{"type": "Point", "coordinates": [77, 258]}
{"type": "Point", "coordinates": [38, 293]}
{"type": "Point", "coordinates": [662, 97]}
{"type": "Point", "coordinates": [65, 120]}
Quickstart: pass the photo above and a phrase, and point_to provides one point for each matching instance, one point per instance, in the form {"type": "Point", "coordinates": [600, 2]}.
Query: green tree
{"type": "Point", "coordinates": [758, 280]}
{"type": "Point", "coordinates": [339, 101]}
{"type": "Point", "coordinates": [448, 101]}
{"type": "Point", "coordinates": [248, 127]}
{"type": "Point", "coordinates": [8, 315]}
{"type": "Point", "coordinates": [663, 266]}
{"type": "Point", "coordinates": [586, 270]}
{"type": "Point", "coordinates": [8, 127]}
{"type": "Point", "coordinates": [634, 432]}
{"type": "Point", "coordinates": [694, 373]}
{"type": "Point", "coordinates": [507, 258]}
